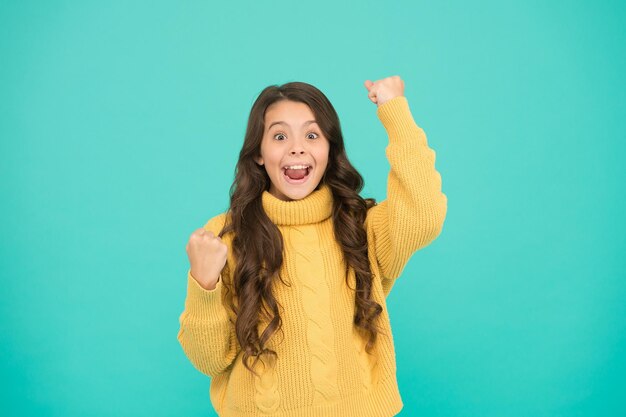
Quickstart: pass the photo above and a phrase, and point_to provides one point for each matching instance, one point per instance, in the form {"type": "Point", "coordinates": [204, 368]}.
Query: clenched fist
{"type": "Point", "coordinates": [384, 90]}
{"type": "Point", "coordinates": [207, 256]}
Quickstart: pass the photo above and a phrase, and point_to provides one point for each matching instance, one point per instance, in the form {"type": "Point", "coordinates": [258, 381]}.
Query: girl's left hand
{"type": "Point", "coordinates": [384, 90]}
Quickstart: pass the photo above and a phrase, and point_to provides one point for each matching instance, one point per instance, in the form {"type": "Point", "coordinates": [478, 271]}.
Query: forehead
{"type": "Point", "coordinates": [286, 110]}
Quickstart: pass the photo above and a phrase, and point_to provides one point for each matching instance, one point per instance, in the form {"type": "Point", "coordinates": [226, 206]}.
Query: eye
{"type": "Point", "coordinates": [278, 134]}
{"type": "Point", "coordinates": [313, 133]}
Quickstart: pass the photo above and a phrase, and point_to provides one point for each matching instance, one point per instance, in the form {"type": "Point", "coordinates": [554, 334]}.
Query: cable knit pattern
{"type": "Point", "coordinates": [368, 363]}
{"type": "Point", "coordinates": [267, 397]}
{"type": "Point", "coordinates": [316, 301]}
{"type": "Point", "coordinates": [322, 369]}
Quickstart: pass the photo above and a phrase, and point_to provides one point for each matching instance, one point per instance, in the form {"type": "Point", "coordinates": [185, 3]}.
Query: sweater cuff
{"type": "Point", "coordinates": [397, 119]}
{"type": "Point", "coordinates": [203, 302]}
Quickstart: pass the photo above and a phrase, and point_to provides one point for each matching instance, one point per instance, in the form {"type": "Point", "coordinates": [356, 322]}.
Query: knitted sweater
{"type": "Point", "coordinates": [322, 368]}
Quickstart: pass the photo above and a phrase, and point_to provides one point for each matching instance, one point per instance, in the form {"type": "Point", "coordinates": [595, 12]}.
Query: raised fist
{"type": "Point", "coordinates": [207, 256]}
{"type": "Point", "coordinates": [384, 90]}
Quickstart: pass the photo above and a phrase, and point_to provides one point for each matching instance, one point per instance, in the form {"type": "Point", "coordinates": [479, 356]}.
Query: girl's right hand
{"type": "Point", "coordinates": [207, 256]}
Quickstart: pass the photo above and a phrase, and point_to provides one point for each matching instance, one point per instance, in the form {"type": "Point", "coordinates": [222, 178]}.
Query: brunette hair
{"type": "Point", "coordinates": [257, 242]}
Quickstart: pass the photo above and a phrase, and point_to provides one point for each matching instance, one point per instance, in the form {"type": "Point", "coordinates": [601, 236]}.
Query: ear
{"type": "Point", "coordinates": [259, 160]}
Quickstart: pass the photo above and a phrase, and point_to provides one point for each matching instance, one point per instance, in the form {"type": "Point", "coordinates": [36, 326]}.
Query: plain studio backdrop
{"type": "Point", "coordinates": [120, 127]}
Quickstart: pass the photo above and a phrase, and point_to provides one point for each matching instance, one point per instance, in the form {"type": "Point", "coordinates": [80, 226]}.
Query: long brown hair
{"type": "Point", "coordinates": [257, 242]}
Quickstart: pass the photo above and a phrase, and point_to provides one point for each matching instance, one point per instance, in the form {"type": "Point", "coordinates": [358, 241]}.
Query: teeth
{"type": "Point", "coordinates": [296, 167]}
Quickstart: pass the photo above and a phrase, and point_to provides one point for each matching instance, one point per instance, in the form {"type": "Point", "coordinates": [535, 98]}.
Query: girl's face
{"type": "Point", "coordinates": [292, 139]}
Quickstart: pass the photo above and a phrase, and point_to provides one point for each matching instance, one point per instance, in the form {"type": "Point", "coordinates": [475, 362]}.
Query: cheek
{"type": "Point", "coordinates": [274, 159]}
{"type": "Point", "coordinates": [325, 154]}
{"type": "Point", "coordinates": [270, 155]}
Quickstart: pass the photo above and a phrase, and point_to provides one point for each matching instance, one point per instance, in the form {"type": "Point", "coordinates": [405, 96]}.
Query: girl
{"type": "Point", "coordinates": [285, 306]}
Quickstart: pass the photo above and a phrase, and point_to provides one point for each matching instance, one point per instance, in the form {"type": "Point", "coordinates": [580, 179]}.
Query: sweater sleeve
{"type": "Point", "coordinates": [207, 334]}
{"type": "Point", "coordinates": [413, 213]}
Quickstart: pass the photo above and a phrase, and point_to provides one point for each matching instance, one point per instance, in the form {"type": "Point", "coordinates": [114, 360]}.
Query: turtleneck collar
{"type": "Point", "coordinates": [313, 208]}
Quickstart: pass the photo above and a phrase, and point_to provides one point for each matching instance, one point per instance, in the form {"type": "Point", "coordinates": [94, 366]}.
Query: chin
{"type": "Point", "coordinates": [298, 192]}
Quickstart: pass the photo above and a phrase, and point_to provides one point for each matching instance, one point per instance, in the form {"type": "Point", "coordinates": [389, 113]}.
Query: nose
{"type": "Point", "coordinates": [297, 148]}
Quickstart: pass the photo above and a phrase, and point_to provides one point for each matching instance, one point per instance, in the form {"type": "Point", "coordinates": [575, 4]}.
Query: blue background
{"type": "Point", "coordinates": [120, 126]}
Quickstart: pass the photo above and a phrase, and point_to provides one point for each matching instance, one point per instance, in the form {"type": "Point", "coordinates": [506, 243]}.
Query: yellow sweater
{"type": "Point", "coordinates": [322, 368]}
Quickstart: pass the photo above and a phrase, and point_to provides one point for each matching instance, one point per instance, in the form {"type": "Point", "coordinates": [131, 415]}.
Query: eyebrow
{"type": "Point", "coordinates": [308, 122]}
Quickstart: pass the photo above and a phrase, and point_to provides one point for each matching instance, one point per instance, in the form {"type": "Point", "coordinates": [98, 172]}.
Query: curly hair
{"type": "Point", "coordinates": [257, 242]}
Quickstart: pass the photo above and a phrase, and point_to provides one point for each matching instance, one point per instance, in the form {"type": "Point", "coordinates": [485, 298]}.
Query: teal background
{"type": "Point", "coordinates": [120, 126]}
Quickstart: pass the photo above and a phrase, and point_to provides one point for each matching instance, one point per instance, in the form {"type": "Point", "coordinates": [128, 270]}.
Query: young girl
{"type": "Point", "coordinates": [285, 306]}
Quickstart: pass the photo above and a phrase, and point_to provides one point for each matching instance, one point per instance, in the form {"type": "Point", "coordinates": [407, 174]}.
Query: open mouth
{"type": "Point", "coordinates": [297, 174]}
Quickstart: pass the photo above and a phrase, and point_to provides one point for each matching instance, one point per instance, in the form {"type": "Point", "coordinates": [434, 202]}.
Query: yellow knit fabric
{"type": "Point", "coordinates": [322, 368]}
